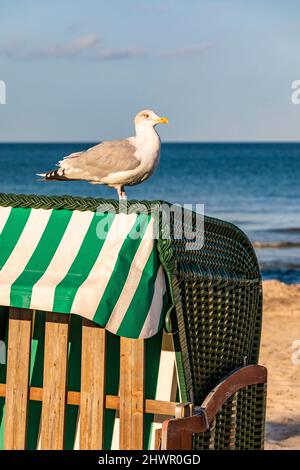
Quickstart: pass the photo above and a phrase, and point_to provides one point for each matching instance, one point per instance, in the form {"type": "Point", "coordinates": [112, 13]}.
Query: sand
{"type": "Point", "coordinates": [281, 355]}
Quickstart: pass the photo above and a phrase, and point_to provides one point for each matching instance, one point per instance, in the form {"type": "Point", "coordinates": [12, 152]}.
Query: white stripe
{"type": "Point", "coordinates": [4, 214]}
{"type": "Point", "coordinates": [77, 432]}
{"type": "Point", "coordinates": [43, 291]}
{"type": "Point", "coordinates": [133, 279]}
{"type": "Point", "coordinates": [22, 252]}
{"type": "Point", "coordinates": [115, 442]}
{"type": "Point", "coordinates": [91, 291]}
{"type": "Point", "coordinates": [151, 324]}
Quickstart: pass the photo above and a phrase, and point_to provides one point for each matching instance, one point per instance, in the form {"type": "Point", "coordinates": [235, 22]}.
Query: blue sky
{"type": "Point", "coordinates": [80, 70]}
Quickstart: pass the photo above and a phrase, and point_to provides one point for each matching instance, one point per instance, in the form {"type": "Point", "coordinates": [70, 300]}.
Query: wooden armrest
{"type": "Point", "coordinates": [177, 434]}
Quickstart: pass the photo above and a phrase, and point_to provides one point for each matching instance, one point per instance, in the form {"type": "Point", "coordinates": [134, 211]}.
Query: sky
{"type": "Point", "coordinates": [221, 70]}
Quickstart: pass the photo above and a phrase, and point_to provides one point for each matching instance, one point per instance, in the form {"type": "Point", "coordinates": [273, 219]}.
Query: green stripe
{"type": "Point", "coordinates": [111, 384]}
{"type": "Point", "coordinates": [133, 320]}
{"type": "Point", "coordinates": [66, 290]}
{"type": "Point", "coordinates": [11, 233]}
{"type": "Point", "coordinates": [153, 356]}
{"type": "Point", "coordinates": [74, 367]}
{"type": "Point", "coordinates": [21, 289]}
{"type": "Point", "coordinates": [121, 270]}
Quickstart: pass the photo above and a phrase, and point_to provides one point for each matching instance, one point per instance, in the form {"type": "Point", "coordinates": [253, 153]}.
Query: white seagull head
{"type": "Point", "coordinates": [148, 118]}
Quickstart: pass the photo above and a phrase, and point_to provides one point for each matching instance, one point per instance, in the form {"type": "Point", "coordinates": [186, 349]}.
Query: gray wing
{"type": "Point", "coordinates": [99, 161]}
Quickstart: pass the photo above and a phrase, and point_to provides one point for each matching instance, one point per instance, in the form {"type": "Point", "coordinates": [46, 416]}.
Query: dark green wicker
{"type": "Point", "coordinates": [216, 294]}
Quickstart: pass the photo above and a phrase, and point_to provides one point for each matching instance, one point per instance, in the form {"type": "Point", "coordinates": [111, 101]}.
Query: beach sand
{"type": "Point", "coordinates": [281, 328]}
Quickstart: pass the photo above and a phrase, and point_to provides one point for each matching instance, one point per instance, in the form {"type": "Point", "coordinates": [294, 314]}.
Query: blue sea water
{"type": "Point", "coordinates": [255, 186]}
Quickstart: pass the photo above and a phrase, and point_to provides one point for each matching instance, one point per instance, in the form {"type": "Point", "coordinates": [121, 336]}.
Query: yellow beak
{"type": "Point", "coordinates": [163, 120]}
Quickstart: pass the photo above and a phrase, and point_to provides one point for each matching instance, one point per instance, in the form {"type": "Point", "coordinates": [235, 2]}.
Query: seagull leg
{"type": "Point", "coordinates": [121, 193]}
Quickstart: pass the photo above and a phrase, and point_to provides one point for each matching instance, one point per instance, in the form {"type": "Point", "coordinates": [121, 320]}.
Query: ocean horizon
{"type": "Point", "coordinates": [253, 185]}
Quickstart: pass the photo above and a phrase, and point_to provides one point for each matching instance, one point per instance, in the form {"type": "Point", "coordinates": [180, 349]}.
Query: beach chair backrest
{"type": "Point", "coordinates": [214, 318]}
{"type": "Point", "coordinates": [54, 393]}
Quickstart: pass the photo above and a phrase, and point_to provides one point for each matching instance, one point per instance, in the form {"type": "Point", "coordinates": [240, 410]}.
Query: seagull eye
{"type": "Point", "coordinates": [146, 116]}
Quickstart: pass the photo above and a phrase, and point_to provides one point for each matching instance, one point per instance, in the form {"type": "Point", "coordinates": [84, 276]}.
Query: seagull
{"type": "Point", "coordinates": [116, 163]}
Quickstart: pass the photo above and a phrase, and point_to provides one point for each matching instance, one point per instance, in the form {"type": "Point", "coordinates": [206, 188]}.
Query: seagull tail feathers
{"type": "Point", "coordinates": [53, 175]}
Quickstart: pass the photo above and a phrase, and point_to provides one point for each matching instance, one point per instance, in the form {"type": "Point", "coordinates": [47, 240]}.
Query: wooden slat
{"type": "Point", "coordinates": [112, 402]}
{"type": "Point", "coordinates": [132, 394]}
{"type": "Point", "coordinates": [55, 379]}
{"type": "Point", "coordinates": [159, 407]}
{"type": "Point", "coordinates": [17, 387]}
{"type": "Point", "coordinates": [92, 396]}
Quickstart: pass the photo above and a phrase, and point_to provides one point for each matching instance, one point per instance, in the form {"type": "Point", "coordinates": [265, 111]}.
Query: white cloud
{"type": "Point", "coordinates": [90, 47]}
{"type": "Point", "coordinates": [76, 47]}
{"type": "Point", "coordinates": [119, 53]}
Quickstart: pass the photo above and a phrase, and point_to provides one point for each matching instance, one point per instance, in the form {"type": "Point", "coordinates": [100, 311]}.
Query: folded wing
{"type": "Point", "coordinates": [100, 161]}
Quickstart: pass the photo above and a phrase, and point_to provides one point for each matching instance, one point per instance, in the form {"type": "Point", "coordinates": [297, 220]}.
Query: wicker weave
{"type": "Point", "coordinates": [218, 305]}
{"type": "Point", "coordinates": [216, 293]}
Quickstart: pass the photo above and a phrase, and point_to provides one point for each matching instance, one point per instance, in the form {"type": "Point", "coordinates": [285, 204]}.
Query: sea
{"type": "Point", "coordinates": [255, 186]}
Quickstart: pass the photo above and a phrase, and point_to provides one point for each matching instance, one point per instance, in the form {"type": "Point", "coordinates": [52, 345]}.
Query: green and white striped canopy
{"type": "Point", "coordinates": [55, 260]}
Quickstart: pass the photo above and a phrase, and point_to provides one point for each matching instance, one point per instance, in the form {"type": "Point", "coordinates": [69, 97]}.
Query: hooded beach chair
{"type": "Point", "coordinates": [113, 339]}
